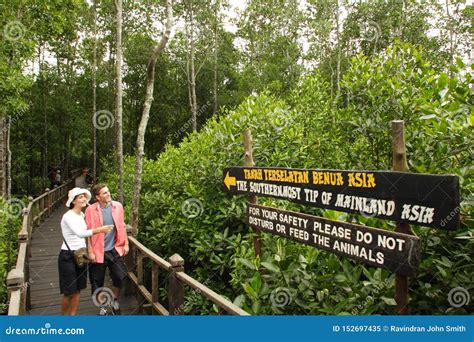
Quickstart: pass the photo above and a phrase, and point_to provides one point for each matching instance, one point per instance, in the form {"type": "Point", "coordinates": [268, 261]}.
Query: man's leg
{"type": "Point", "coordinates": [97, 277]}
{"type": "Point", "coordinates": [118, 273]}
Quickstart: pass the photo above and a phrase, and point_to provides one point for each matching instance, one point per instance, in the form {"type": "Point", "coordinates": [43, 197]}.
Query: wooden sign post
{"type": "Point", "coordinates": [248, 162]}
{"type": "Point", "coordinates": [399, 161]}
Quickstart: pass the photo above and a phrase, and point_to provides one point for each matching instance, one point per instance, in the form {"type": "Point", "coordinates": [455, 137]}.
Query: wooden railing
{"type": "Point", "coordinates": [38, 209]}
{"type": "Point", "coordinates": [176, 280]}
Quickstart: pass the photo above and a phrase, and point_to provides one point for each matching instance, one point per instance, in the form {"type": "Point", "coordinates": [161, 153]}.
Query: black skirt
{"type": "Point", "coordinates": [71, 277]}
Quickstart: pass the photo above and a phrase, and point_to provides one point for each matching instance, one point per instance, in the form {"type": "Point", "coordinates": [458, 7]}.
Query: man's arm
{"type": "Point", "coordinates": [90, 251]}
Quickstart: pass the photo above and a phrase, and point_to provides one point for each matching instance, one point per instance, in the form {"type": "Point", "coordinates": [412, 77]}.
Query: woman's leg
{"type": "Point", "coordinates": [66, 304]}
{"type": "Point", "coordinates": [75, 298]}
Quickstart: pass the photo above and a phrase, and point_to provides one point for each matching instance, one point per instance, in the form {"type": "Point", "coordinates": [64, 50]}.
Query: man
{"type": "Point", "coordinates": [57, 179]}
{"type": "Point", "coordinates": [84, 180]}
{"type": "Point", "coordinates": [107, 251]}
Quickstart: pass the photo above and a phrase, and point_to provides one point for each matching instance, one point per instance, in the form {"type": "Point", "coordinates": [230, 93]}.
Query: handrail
{"type": "Point", "coordinates": [18, 290]}
{"type": "Point", "coordinates": [211, 295]}
{"type": "Point", "coordinates": [177, 278]}
{"type": "Point", "coordinates": [155, 258]}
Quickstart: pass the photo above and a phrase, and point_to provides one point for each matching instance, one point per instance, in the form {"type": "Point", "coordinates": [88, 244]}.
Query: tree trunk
{"type": "Point", "coordinates": [146, 114]}
{"type": "Point", "coordinates": [192, 71]}
{"type": "Point", "coordinates": [45, 133]}
{"type": "Point", "coordinates": [94, 98]}
{"type": "Point", "coordinates": [8, 158]}
{"type": "Point", "coordinates": [3, 167]}
{"type": "Point", "coordinates": [338, 70]}
{"type": "Point", "coordinates": [188, 63]}
{"type": "Point", "coordinates": [450, 28]}
{"type": "Point", "coordinates": [216, 48]}
{"type": "Point", "coordinates": [338, 65]}
{"type": "Point", "coordinates": [118, 102]}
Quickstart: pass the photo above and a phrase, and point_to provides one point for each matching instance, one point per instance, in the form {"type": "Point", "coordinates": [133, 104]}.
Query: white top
{"type": "Point", "coordinates": [81, 182]}
{"type": "Point", "coordinates": [74, 229]}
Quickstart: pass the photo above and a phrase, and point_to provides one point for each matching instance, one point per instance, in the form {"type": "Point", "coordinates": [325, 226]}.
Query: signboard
{"type": "Point", "coordinates": [376, 247]}
{"type": "Point", "coordinates": [427, 200]}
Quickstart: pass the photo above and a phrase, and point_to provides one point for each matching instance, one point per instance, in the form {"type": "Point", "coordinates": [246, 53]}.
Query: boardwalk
{"type": "Point", "coordinates": [44, 279]}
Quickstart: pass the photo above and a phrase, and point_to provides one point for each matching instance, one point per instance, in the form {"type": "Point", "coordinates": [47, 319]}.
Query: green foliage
{"type": "Point", "coordinates": [272, 49]}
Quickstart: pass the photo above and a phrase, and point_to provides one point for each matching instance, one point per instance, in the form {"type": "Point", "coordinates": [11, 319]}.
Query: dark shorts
{"type": "Point", "coordinates": [117, 270]}
{"type": "Point", "coordinates": [71, 277]}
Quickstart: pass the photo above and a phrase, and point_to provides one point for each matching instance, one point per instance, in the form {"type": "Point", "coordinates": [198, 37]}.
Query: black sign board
{"type": "Point", "coordinates": [427, 200]}
{"type": "Point", "coordinates": [376, 247]}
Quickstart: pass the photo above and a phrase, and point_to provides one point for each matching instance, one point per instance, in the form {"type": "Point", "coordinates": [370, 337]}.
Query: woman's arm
{"type": "Point", "coordinates": [74, 226]}
{"type": "Point", "coordinates": [103, 229]}
{"type": "Point", "coordinates": [87, 232]}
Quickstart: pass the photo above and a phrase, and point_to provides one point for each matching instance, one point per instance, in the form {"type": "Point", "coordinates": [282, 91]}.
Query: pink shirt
{"type": "Point", "coordinates": [94, 220]}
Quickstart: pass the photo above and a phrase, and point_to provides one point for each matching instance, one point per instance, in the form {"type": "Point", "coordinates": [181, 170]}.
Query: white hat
{"type": "Point", "coordinates": [76, 192]}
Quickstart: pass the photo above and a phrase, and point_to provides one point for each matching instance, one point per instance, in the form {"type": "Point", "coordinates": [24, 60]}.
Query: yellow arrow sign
{"type": "Point", "coordinates": [229, 181]}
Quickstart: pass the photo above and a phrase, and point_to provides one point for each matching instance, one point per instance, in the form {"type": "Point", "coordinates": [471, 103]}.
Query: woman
{"type": "Point", "coordinates": [72, 279]}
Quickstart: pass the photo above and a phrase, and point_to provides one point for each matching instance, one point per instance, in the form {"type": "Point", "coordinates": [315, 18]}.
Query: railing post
{"type": "Point", "coordinates": [140, 269]}
{"type": "Point", "coordinates": [130, 263]}
{"type": "Point", "coordinates": [176, 288]}
{"type": "Point", "coordinates": [15, 282]}
{"type": "Point", "coordinates": [30, 216]}
{"type": "Point", "coordinates": [43, 206]}
{"type": "Point", "coordinates": [154, 285]}
{"type": "Point", "coordinates": [49, 201]}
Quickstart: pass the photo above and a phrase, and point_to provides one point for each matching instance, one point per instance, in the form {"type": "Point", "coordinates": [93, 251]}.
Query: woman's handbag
{"type": "Point", "coordinates": [81, 257]}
